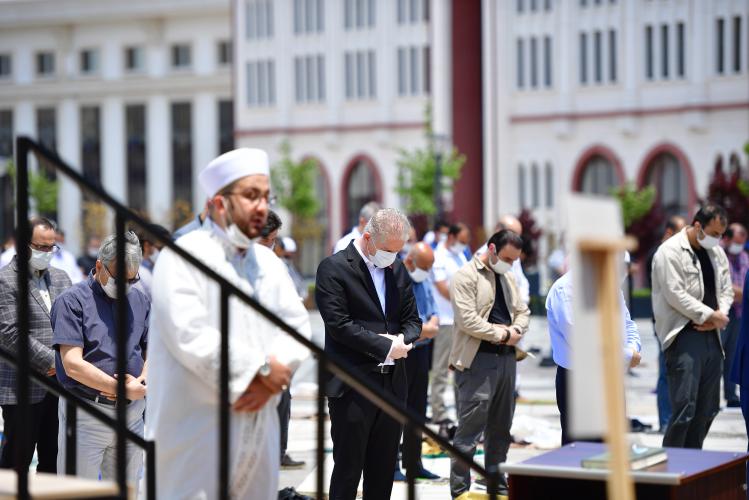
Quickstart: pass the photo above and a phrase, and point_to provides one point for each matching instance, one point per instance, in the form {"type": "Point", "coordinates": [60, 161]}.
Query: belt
{"type": "Point", "coordinates": [98, 398]}
{"type": "Point", "coordinates": [490, 348]}
{"type": "Point", "coordinates": [383, 369]}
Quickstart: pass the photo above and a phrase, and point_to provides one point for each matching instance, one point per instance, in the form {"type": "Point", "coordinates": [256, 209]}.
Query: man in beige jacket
{"type": "Point", "coordinates": [490, 318]}
{"type": "Point", "coordinates": [692, 294]}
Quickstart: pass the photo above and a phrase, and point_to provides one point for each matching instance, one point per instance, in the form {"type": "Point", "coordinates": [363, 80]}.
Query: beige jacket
{"type": "Point", "coordinates": [678, 289]}
{"type": "Point", "coordinates": [472, 293]}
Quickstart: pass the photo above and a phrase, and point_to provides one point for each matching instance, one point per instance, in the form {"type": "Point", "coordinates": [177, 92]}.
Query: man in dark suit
{"type": "Point", "coordinates": [45, 284]}
{"type": "Point", "coordinates": [365, 298]}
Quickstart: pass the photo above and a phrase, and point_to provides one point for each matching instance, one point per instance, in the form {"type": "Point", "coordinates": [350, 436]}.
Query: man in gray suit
{"type": "Point", "coordinates": [45, 284]}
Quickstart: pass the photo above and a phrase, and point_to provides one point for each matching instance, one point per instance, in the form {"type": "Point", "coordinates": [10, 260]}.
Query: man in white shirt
{"type": "Point", "coordinates": [448, 259]}
{"type": "Point", "coordinates": [366, 213]}
{"type": "Point", "coordinates": [184, 344]}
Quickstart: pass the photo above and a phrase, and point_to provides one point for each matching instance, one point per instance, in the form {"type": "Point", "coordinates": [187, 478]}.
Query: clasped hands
{"type": "Point", "coordinates": [717, 321]}
{"type": "Point", "coordinates": [135, 388]}
{"type": "Point", "coordinates": [261, 388]}
{"type": "Point", "coordinates": [515, 334]}
{"type": "Point", "coordinates": [399, 349]}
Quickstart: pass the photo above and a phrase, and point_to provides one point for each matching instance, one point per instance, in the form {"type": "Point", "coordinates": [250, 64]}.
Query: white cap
{"type": "Point", "coordinates": [289, 244]}
{"type": "Point", "coordinates": [231, 166]}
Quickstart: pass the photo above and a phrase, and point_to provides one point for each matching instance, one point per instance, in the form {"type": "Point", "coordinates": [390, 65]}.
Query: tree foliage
{"type": "Point", "coordinates": [417, 173]}
{"type": "Point", "coordinates": [731, 191]}
{"type": "Point", "coordinates": [635, 203]}
{"type": "Point", "coordinates": [42, 190]}
{"type": "Point", "coordinates": [294, 185]}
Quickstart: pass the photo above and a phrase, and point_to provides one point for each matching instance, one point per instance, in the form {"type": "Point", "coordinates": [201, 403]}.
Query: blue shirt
{"type": "Point", "coordinates": [84, 316]}
{"type": "Point", "coordinates": [424, 300]}
{"type": "Point", "coordinates": [559, 314]}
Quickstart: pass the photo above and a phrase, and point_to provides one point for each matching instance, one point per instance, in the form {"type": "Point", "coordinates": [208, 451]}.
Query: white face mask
{"type": "Point", "coordinates": [154, 256]}
{"type": "Point", "coordinates": [708, 241]}
{"type": "Point", "coordinates": [500, 267]}
{"type": "Point", "coordinates": [442, 237]}
{"type": "Point", "coordinates": [236, 236]}
{"type": "Point", "coordinates": [40, 260]}
{"type": "Point", "coordinates": [418, 275]}
{"type": "Point", "coordinates": [111, 287]}
{"type": "Point", "coordinates": [735, 248]}
{"type": "Point", "coordinates": [382, 258]}
{"type": "Point", "coordinates": [458, 248]}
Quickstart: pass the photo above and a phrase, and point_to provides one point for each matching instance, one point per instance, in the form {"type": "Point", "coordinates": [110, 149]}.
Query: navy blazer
{"type": "Point", "coordinates": [349, 306]}
{"type": "Point", "coordinates": [740, 369]}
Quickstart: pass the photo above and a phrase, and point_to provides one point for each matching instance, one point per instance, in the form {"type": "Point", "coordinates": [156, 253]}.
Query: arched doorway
{"type": "Point", "coordinates": [666, 168]}
{"type": "Point", "coordinates": [597, 172]}
{"type": "Point", "coordinates": [361, 184]}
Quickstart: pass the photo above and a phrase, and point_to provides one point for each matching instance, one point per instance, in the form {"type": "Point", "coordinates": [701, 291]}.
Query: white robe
{"type": "Point", "coordinates": [183, 362]}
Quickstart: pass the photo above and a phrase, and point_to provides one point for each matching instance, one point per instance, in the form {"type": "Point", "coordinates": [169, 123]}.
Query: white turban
{"type": "Point", "coordinates": [231, 166]}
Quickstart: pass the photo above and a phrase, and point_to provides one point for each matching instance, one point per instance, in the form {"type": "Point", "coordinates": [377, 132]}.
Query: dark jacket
{"type": "Point", "coordinates": [740, 371]}
{"type": "Point", "coordinates": [348, 304]}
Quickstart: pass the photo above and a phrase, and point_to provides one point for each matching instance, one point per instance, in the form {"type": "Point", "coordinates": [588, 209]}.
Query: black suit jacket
{"type": "Point", "coordinates": [350, 308]}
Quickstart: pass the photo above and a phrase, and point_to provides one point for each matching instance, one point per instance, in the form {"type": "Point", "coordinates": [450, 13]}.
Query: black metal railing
{"type": "Point", "coordinates": [412, 422]}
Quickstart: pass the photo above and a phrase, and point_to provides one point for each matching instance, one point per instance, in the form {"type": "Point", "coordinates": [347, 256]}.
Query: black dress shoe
{"type": "Point", "coordinates": [289, 463]}
{"type": "Point", "coordinates": [292, 494]}
{"type": "Point", "coordinates": [503, 489]}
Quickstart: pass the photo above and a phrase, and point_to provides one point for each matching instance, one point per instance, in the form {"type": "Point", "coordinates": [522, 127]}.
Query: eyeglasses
{"type": "Point", "coordinates": [254, 197]}
{"type": "Point", "coordinates": [44, 248]}
{"type": "Point", "coordinates": [131, 281]}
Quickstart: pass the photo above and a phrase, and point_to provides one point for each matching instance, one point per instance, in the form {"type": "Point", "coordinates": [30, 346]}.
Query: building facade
{"type": "Point", "coordinates": [585, 95]}
{"type": "Point", "coordinates": [344, 82]}
{"type": "Point", "coordinates": [137, 95]}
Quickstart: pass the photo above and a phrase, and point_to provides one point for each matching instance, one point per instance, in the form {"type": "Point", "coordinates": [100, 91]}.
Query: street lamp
{"type": "Point", "coordinates": [440, 146]}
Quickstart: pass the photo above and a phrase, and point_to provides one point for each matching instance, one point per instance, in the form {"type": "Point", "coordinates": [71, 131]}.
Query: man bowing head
{"type": "Point", "coordinates": [182, 411]}
{"type": "Point", "coordinates": [371, 321]}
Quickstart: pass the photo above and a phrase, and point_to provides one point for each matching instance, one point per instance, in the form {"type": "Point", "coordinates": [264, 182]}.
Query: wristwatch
{"type": "Point", "coordinates": [264, 370]}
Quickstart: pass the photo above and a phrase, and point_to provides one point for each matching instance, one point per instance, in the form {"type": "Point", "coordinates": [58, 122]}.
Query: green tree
{"type": "Point", "coordinates": [294, 185]}
{"type": "Point", "coordinates": [418, 171]}
{"type": "Point", "coordinates": [42, 190]}
{"type": "Point", "coordinates": [635, 203]}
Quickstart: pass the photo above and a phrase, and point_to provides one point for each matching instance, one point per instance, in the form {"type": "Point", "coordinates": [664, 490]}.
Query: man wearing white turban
{"type": "Point", "coordinates": [184, 344]}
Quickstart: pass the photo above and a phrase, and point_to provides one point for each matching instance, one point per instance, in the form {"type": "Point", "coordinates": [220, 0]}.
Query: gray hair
{"type": "Point", "coordinates": [133, 252]}
{"type": "Point", "coordinates": [388, 222]}
{"type": "Point", "coordinates": [368, 210]}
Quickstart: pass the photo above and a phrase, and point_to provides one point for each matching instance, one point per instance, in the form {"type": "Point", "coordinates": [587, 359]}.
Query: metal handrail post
{"type": "Point", "coordinates": [71, 437]}
{"type": "Point", "coordinates": [224, 419]}
{"type": "Point", "coordinates": [320, 427]}
{"type": "Point", "coordinates": [122, 316]}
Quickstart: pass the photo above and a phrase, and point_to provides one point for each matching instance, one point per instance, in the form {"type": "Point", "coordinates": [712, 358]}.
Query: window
{"type": "Point", "coordinates": [736, 44]}
{"type": "Point", "coordinates": [427, 69]}
{"type": "Point", "coordinates": [408, 11]}
{"type": "Point", "coordinates": [649, 72]}
{"type": "Point", "coordinates": [309, 78]}
{"type": "Point", "coordinates": [360, 72]}
{"type": "Point", "coordinates": [309, 16]}
{"type": "Point", "coordinates": [135, 132]}
{"type": "Point", "coordinates": [597, 57]}
{"type": "Point", "coordinates": [181, 56]}
{"type": "Point", "coordinates": [225, 126]}
{"type": "Point", "coordinates": [261, 83]}
{"type": "Point", "coordinates": [534, 65]}
{"type": "Point", "coordinates": [583, 3]}
{"type": "Point", "coordinates": [91, 143]}
{"type": "Point", "coordinates": [134, 59]}
{"type": "Point", "coordinates": [680, 51]}
{"type": "Point", "coordinates": [547, 5]}
{"type": "Point", "coordinates": [45, 63]}
{"type": "Point", "coordinates": [6, 65]}
{"type": "Point", "coordinates": [535, 203]}
{"type": "Point", "coordinates": [520, 65]}
{"type": "Point", "coordinates": [224, 52]}
{"type": "Point", "coordinates": [6, 133]}
{"type": "Point", "coordinates": [670, 181]}
{"type": "Point", "coordinates": [361, 189]}
{"type": "Point", "coordinates": [46, 131]}
{"type": "Point", "coordinates": [664, 51]}
{"type": "Point", "coordinates": [521, 188]}
{"type": "Point", "coordinates": [612, 56]}
{"type": "Point", "coordinates": [259, 19]}
{"type": "Point", "coordinates": [549, 186]}
{"type": "Point", "coordinates": [520, 6]}
{"type": "Point", "coordinates": [583, 58]}
{"type": "Point", "coordinates": [413, 70]}
{"type": "Point", "coordinates": [533, 5]}
{"type": "Point", "coordinates": [89, 61]}
{"type": "Point", "coordinates": [547, 61]}
{"type": "Point", "coordinates": [315, 242]}
{"type": "Point", "coordinates": [182, 152]}
{"type": "Point", "coordinates": [599, 176]}
{"type": "Point", "coordinates": [360, 14]}
{"type": "Point", "coordinates": [719, 46]}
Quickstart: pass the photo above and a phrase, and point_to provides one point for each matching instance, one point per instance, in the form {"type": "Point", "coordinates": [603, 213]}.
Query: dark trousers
{"type": "Point", "coordinates": [417, 371]}
{"type": "Point", "coordinates": [365, 439]}
{"type": "Point", "coordinates": [284, 415]}
{"type": "Point", "coordinates": [694, 362]}
{"type": "Point", "coordinates": [661, 393]}
{"type": "Point", "coordinates": [744, 396]}
{"type": "Point", "coordinates": [730, 337]}
{"type": "Point", "coordinates": [561, 387]}
{"type": "Point", "coordinates": [487, 405]}
{"type": "Point", "coordinates": [41, 426]}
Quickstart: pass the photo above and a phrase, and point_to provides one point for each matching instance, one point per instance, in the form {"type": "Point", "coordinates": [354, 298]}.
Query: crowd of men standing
{"type": "Point", "coordinates": [418, 319]}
